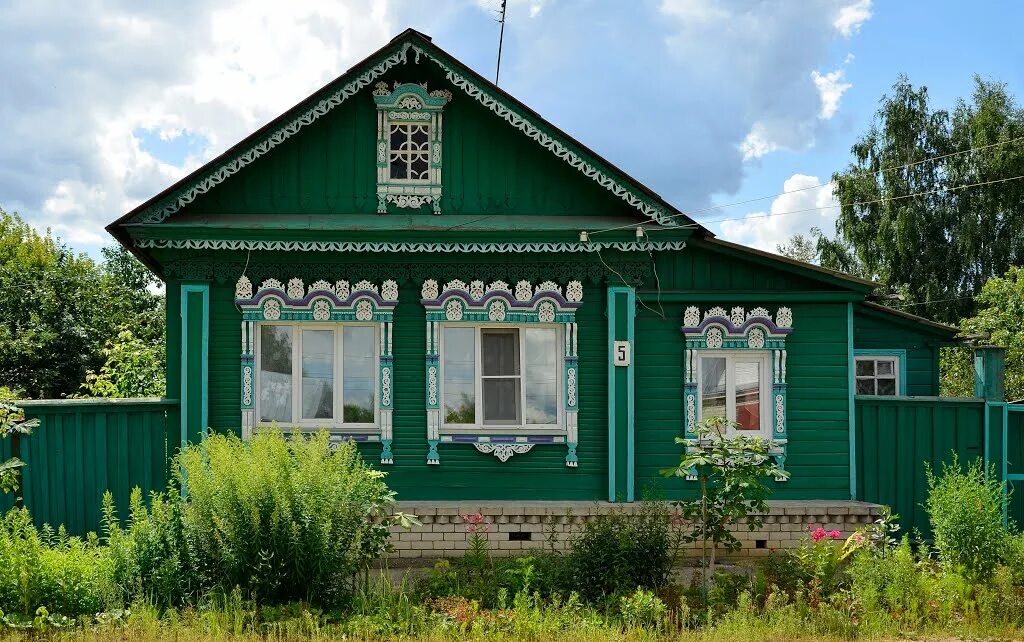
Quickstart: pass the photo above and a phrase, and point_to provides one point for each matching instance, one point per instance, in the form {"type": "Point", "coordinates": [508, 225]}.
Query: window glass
{"type": "Point", "coordinates": [748, 394]}
{"type": "Point", "coordinates": [541, 375]}
{"type": "Point", "coordinates": [410, 151]}
{"type": "Point", "coordinates": [275, 373]}
{"type": "Point", "coordinates": [459, 371]}
{"type": "Point", "coordinates": [499, 357]}
{"type": "Point", "coordinates": [712, 400]}
{"type": "Point", "coordinates": [359, 369]}
{"type": "Point", "coordinates": [317, 374]}
{"type": "Point", "coordinates": [877, 376]}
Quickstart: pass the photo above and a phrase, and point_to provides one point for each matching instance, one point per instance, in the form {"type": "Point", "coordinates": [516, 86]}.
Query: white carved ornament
{"type": "Point", "coordinates": [418, 247]}
{"type": "Point", "coordinates": [503, 452]}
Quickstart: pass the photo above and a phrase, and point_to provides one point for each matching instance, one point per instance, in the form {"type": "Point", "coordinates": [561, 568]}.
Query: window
{"type": "Point", "coordinates": [735, 386]}
{"type": "Point", "coordinates": [299, 367]}
{"type": "Point", "coordinates": [878, 375]}
{"type": "Point", "coordinates": [500, 377]}
{"type": "Point", "coordinates": [410, 152]}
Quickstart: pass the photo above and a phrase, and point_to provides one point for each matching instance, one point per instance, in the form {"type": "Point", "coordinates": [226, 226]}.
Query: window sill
{"type": "Point", "coordinates": [501, 431]}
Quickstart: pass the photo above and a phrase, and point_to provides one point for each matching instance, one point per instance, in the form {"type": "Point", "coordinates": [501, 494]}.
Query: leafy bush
{"type": "Point", "coordinates": [642, 609]}
{"type": "Point", "coordinates": [617, 552]}
{"type": "Point", "coordinates": [284, 519]}
{"type": "Point", "coordinates": [822, 555]}
{"type": "Point", "coordinates": [965, 508]}
{"type": "Point", "coordinates": [60, 574]}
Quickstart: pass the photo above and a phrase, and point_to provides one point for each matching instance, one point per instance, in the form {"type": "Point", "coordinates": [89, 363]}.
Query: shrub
{"type": "Point", "coordinates": [60, 574]}
{"type": "Point", "coordinates": [823, 553]}
{"type": "Point", "coordinates": [150, 557]}
{"type": "Point", "coordinates": [642, 609]}
{"type": "Point", "coordinates": [965, 509]}
{"type": "Point", "coordinates": [284, 519]}
{"type": "Point", "coordinates": [891, 581]}
{"type": "Point", "coordinates": [617, 552]}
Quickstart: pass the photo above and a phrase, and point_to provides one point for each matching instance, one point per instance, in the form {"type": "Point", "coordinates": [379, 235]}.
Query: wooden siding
{"type": "Point", "coordinates": [871, 332]}
{"type": "Point", "coordinates": [489, 167]}
{"type": "Point", "coordinates": [819, 439]}
{"type": "Point", "coordinates": [817, 407]}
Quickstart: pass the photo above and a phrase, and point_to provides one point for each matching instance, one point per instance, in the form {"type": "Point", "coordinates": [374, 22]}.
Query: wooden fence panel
{"type": "Point", "coordinates": [898, 437]}
{"type": "Point", "coordinates": [84, 447]}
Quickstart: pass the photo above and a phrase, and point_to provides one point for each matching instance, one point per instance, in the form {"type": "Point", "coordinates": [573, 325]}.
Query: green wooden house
{"type": "Point", "coordinates": [413, 259]}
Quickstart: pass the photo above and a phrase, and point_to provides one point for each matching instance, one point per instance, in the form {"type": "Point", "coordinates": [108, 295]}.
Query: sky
{"type": "Point", "coordinates": [719, 106]}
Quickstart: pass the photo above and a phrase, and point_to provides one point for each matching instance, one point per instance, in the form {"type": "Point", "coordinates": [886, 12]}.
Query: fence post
{"type": "Point", "coordinates": [989, 365]}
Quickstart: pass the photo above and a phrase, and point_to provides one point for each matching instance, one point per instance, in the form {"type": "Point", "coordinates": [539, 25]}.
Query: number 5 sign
{"type": "Point", "coordinates": [621, 353]}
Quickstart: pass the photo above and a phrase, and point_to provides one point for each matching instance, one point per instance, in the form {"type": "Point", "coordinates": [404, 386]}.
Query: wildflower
{"type": "Point", "coordinates": [818, 534]}
{"type": "Point", "coordinates": [475, 523]}
{"type": "Point", "coordinates": [858, 538]}
{"type": "Point", "coordinates": [834, 534]}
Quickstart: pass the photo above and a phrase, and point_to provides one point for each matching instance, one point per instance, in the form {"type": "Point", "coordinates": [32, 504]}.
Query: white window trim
{"type": "Point", "coordinates": [335, 424]}
{"type": "Point", "coordinates": [479, 427]}
{"type": "Point", "coordinates": [763, 358]}
{"type": "Point", "coordinates": [897, 369]}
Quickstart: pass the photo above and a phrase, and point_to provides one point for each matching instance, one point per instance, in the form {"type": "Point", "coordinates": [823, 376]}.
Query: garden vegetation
{"type": "Point", "coordinates": [277, 538]}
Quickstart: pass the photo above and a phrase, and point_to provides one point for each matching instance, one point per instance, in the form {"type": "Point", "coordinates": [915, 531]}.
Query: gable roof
{"type": "Point", "coordinates": [410, 43]}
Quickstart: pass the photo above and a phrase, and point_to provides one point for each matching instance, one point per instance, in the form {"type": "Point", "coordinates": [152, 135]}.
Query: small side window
{"type": "Point", "coordinates": [877, 375]}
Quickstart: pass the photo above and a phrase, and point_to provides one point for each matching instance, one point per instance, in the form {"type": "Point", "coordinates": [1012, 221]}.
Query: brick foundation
{"type": "Point", "coordinates": [443, 533]}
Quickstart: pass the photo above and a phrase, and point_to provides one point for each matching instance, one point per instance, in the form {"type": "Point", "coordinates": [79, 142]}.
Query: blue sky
{"type": "Point", "coordinates": [106, 102]}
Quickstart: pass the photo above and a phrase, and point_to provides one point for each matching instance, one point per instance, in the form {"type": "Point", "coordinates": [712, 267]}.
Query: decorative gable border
{"type": "Point", "coordinates": [164, 208]}
{"type": "Point", "coordinates": [499, 302]}
{"type": "Point", "coordinates": [738, 329]}
{"type": "Point", "coordinates": [321, 302]}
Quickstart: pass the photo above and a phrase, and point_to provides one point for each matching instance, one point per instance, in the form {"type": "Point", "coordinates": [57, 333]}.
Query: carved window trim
{"type": "Point", "coordinates": [500, 304]}
{"type": "Point", "coordinates": [408, 105]}
{"type": "Point", "coordinates": [735, 330]}
{"type": "Point", "coordinates": [332, 305]}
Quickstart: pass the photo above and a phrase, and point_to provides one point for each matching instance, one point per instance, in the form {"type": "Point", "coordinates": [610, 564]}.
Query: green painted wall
{"type": "Point", "coordinates": [871, 331]}
{"type": "Point", "coordinates": [818, 453]}
{"type": "Point", "coordinates": [489, 167]}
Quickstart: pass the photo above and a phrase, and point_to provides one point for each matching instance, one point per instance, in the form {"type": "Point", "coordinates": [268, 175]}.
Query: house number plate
{"type": "Point", "coordinates": [622, 353]}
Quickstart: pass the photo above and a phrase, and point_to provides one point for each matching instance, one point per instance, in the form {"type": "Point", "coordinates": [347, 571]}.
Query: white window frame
{"type": "Point", "coordinates": [897, 369]}
{"type": "Point", "coordinates": [761, 357]}
{"type": "Point", "coordinates": [479, 427]}
{"type": "Point", "coordinates": [335, 424]}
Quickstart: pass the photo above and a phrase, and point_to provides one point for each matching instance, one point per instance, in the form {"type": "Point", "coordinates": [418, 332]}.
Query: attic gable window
{"type": "Point", "coordinates": [409, 146]}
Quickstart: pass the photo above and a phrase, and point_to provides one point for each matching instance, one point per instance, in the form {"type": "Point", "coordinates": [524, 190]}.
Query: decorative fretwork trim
{"type": "Point", "coordinates": [499, 302]}
{"type": "Point", "coordinates": [737, 328]}
{"type": "Point", "coordinates": [165, 208]}
{"type": "Point", "coordinates": [374, 247]}
{"type": "Point", "coordinates": [321, 302]}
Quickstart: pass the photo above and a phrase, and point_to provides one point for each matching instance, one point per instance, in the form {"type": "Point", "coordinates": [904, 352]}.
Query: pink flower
{"type": "Point", "coordinates": [834, 534]}
{"type": "Point", "coordinates": [858, 538]}
{"type": "Point", "coordinates": [818, 534]}
{"type": "Point", "coordinates": [475, 523]}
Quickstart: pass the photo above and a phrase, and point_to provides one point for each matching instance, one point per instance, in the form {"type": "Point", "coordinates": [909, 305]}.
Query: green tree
{"type": "Point", "coordinates": [133, 368]}
{"type": "Point", "coordinates": [1000, 310]}
{"type": "Point", "coordinates": [732, 471]}
{"type": "Point", "coordinates": [58, 309]}
{"type": "Point", "coordinates": [801, 247]}
{"type": "Point", "coordinates": [935, 229]}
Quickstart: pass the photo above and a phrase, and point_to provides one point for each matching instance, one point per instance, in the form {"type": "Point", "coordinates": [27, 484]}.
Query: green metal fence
{"type": "Point", "coordinates": [898, 436]}
{"type": "Point", "coordinates": [84, 447]}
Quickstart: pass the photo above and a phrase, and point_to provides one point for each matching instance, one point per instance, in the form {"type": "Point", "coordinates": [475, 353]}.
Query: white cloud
{"type": "Point", "coordinates": [806, 205]}
{"type": "Point", "coordinates": [756, 144]}
{"type": "Point", "coordinates": [80, 78]}
{"type": "Point", "coordinates": [849, 19]}
{"type": "Point", "coordinates": [831, 88]}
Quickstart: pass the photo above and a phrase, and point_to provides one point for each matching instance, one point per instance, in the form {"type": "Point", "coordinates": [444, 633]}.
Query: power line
{"type": "Point", "coordinates": [501, 40]}
{"type": "Point", "coordinates": [955, 188]}
{"type": "Point", "coordinates": [931, 159]}
{"type": "Point", "coordinates": [690, 213]}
